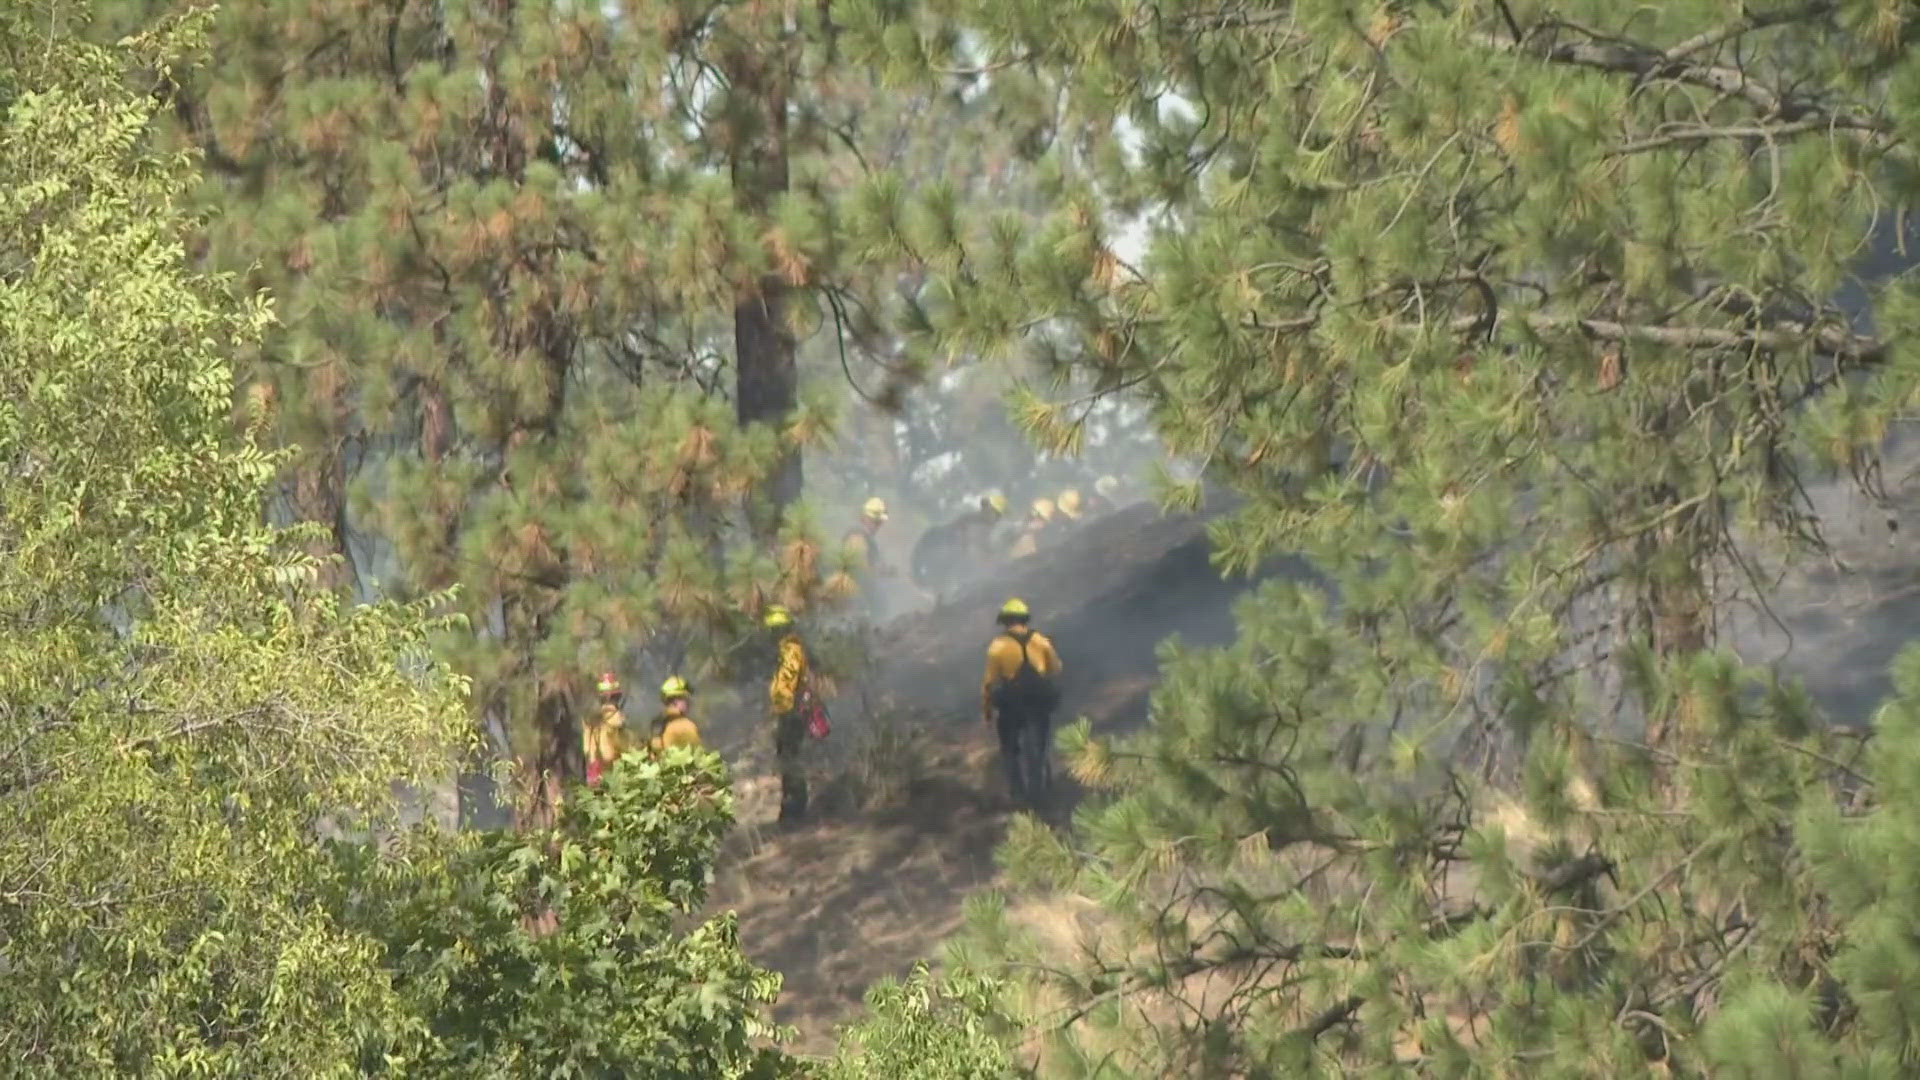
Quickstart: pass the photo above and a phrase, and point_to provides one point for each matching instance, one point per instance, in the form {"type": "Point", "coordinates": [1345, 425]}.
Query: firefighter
{"type": "Point", "coordinates": [1105, 490]}
{"type": "Point", "coordinates": [673, 726]}
{"type": "Point", "coordinates": [1069, 505]}
{"type": "Point", "coordinates": [1018, 695]}
{"type": "Point", "coordinates": [862, 545]}
{"type": "Point", "coordinates": [605, 734]}
{"type": "Point", "coordinates": [786, 697]}
{"type": "Point", "coordinates": [1039, 521]}
{"type": "Point", "coordinates": [862, 541]}
{"type": "Point", "coordinates": [945, 553]}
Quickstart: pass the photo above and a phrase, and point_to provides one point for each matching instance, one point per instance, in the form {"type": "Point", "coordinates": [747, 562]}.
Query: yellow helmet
{"type": "Point", "coordinates": [609, 683]}
{"type": "Point", "coordinates": [776, 617]}
{"type": "Point", "coordinates": [675, 687]}
{"type": "Point", "coordinates": [996, 502]}
{"type": "Point", "coordinates": [1106, 486]}
{"type": "Point", "coordinates": [1014, 610]}
{"type": "Point", "coordinates": [1043, 509]}
{"type": "Point", "coordinates": [875, 509]}
{"type": "Point", "coordinates": [1070, 503]}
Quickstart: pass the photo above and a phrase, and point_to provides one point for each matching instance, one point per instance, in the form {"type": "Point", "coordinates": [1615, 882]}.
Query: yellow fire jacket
{"type": "Point", "coordinates": [605, 736]}
{"type": "Point", "coordinates": [673, 731]}
{"type": "Point", "coordinates": [789, 677]}
{"type": "Point", "coordinates": [1003, 663]}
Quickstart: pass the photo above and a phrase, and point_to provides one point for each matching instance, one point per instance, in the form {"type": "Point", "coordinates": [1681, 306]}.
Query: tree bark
{"type": "Point", "coordinates": [1676, 607]}
{"type": "Point", "coordinates": [766, 380]}
{"type": "Point", "coordinates": [543, 336]}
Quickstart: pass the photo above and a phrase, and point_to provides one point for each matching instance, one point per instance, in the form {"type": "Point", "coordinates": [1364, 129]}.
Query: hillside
{"type": "Point", "coordinates": [911, 812]}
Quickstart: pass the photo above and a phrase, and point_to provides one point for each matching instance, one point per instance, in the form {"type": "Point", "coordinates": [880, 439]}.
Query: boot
{"type": "Point", "coordinates": [1016, 778]}
{"type": "Point", "coordinates": [793, 806]}
{"type": "Point", "coordinates": [1041, 736]}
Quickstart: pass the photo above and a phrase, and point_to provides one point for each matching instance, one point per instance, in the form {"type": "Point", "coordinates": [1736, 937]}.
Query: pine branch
{"type": "Point", "coordinates": [1786, 334]}
{"type": "Point", "coordinates": [1747, 23]}
{"type": "Point", "coordinates": [1186, 967]}
{"type": "Point", "coordinates": [1243, 17]}
{"type": "Point", "coordinates": [1642, 62]}
{"type": "Point", "coordinates": [1332, 1017]}
{"type": "Point", "coordinates": [1700, 134]}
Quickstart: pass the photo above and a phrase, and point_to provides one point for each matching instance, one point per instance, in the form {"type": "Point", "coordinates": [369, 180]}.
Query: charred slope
{"type": "Point", "coordinates": [1107, 594]}
{"type": "Point", "coordinates": [863, 891]}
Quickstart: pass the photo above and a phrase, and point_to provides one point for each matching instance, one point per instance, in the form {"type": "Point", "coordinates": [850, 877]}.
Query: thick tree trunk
{"type": "Point", "coordinates": [542, 336]}
{"type": "Point", "coordinates": [549, 751]}
{"type": "Point", "coordinates": [556, 758]}
{"type": "Point", "coordinates": [766, 380]}
{"type": "Point", "coordinates": [482, 805]}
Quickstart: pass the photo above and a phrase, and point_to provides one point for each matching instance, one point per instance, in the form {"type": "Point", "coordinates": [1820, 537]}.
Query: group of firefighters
{"type": "Point", "coordinates": [1018, 691]}
{"type": "Point", "coordinates": [1018, 696]}
{"type": "Point", "coordinates": [946, 552]}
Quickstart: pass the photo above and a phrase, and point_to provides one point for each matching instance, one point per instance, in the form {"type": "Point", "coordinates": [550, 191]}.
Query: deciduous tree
{"type": "Point", "coordinates": [571, 951]}
{"type": "Point", "coordinates": [180, 701]}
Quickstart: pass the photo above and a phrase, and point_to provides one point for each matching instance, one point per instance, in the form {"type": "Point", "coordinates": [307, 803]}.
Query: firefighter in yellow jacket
{"type": "Point", "coordinates": [1035, 529]}
{"type": "Point", "coordinates": [861, 545]}
{"type": "Point", "coordinates": [1018, 694]}
{"type": "Point", "coordinates": [605, 734]}
{"type": "Point", "coordinates": [674, 727]}
{"type": "Point", "coordinates": [1106, 491]}
{"type": "Point", "coordinates": [786, 694]}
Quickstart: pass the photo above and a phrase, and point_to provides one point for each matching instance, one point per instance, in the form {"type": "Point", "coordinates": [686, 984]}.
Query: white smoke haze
{"type": "Point", "coordinates": [954, 442]}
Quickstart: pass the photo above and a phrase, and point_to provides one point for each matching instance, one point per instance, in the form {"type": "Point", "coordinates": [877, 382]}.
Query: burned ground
{"type": "Point", "coordinates": [879, 877]}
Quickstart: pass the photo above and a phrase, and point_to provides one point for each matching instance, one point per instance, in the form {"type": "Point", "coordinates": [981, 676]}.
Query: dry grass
{"type": "Point", "coordinates": [890, 757]}
{"type": "Point", "coordinates": [874, 881]}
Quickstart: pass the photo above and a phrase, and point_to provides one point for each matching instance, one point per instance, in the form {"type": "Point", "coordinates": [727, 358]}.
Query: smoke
{"type": "Point", "coordinates": [954, 443]}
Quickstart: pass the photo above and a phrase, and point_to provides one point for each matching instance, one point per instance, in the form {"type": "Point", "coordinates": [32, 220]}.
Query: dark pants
{"type": "Point", "coordinates": [1025, 739]}
{"type": "Point", "coordinates": [789, 735]}
{"type": "Point", "coordinates": [872, 604]}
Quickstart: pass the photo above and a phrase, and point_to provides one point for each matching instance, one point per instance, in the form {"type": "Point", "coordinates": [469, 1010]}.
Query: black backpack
{"type": "Point", "coordinates": [1028, 690]}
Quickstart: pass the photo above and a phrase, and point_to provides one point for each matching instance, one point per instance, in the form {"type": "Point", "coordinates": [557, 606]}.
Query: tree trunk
{"type": "Point", "coordinates": [541, 336]}
{"type": "Point", "coordinates": [1677, 613]}
{"type": "Point", "coordinates": [766, 380]}
{"type": "Point", "coordinates": [320, 480]}
{"type": "Point", "coordinates": [556, 756]}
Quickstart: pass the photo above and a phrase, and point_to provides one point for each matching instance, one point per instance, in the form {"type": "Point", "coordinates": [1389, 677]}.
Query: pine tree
{"type": "Point", "coordinates": [755, 45]}
{"type": "Point", "coordinates": [932, 428]}
{"type": "Point", "coordinates": [908, 138]}
{"type": "Point", "coordinates": [1517, 320]}
{"type": "Point", "coordinates": [540, 262]}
